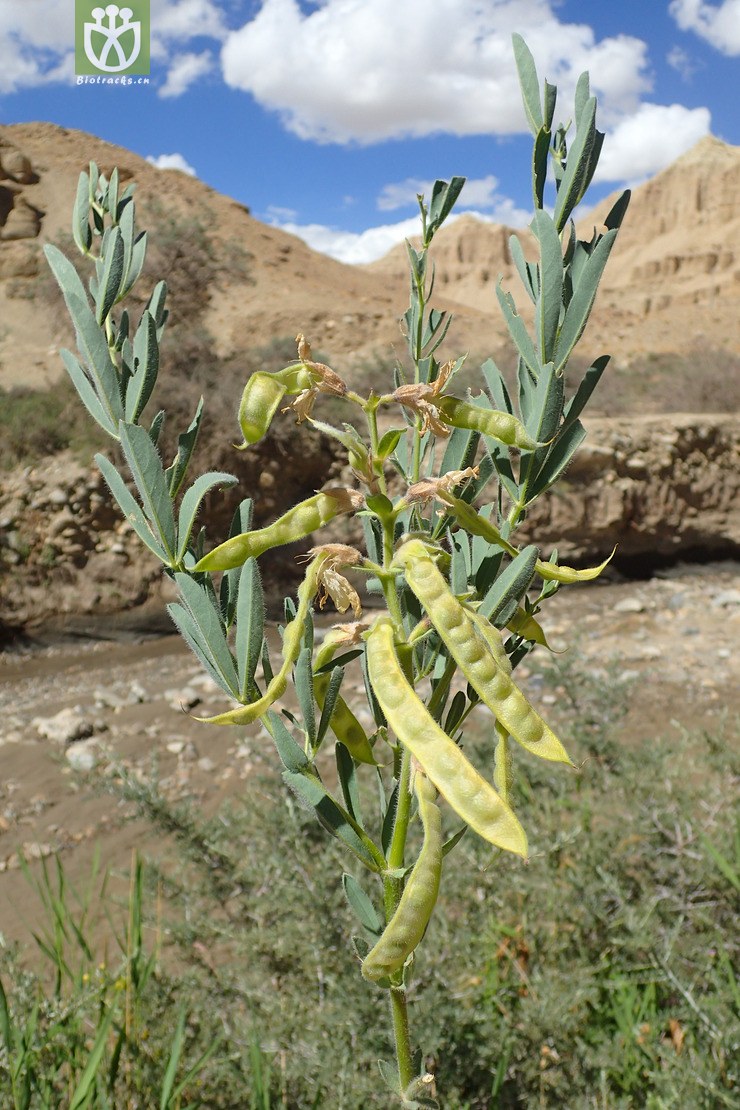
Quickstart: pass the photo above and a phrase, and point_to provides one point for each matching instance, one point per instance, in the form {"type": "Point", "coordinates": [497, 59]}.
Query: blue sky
{"type": "Point", "coordinates": [327, 117]}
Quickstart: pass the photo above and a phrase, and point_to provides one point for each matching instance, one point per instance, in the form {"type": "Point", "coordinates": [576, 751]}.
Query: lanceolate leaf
{"type": "Point", "coordinates": [569, 440]}
{"type": "Point", "coordinates": [87, 393]}
{"type": "Point", "coordinates": [250, 624]}
{"type": "Point", "coordinates": [111, 275]}
{"type": "Point", "coordinates": [145, 351]}
{"type": "Point", "coordinates": [575, 178]}
{"type": "Point", "coordinates": [191, 503]}
{"type": "Point", "coordinates": [518, 331]}
{"type": "Point", "coordinates": [191, 634]}
{"type": "Point", "coordinates": [148, 474]}
{"type": "Point", "coordinates": [550, 301]}
{"type": "Point", "coordinates": [207, 618]}
{"type": "Point", "coordinates": [335, 819]}
{"type": "Point", "coordinates": [90, 340]}
{"type": "Point", "coordinates": [129, 507]}
{"type": "Point", "coordinates": [364, 909]}
{"type": "Point", "coordinates": [81, 231]}
{"type": "Point", "coordinates": [582, 300]}
{"type": "Point", "coordinates": [529, 83]}
{"type": "Point", "coordinates": [292, 755]}
{"type": "Point", "coordinates": [502, 600]}
{"type": "Point", "coordinates": [590, 380]}
{"type": "Point", "coordinates": [175, 473]}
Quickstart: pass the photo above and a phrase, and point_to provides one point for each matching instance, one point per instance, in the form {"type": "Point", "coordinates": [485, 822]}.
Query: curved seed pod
{"type": "Point", "coordinates": [262, 396]}
{"type": "Point", "coordinates": [452, 773]}
{"type": "Point", "coordinates": [476, 659]}
{"type": "Point", "coordinates": [502, 775]}
{"type": "Point", "coordinates": [477, 525]}
{"type": "Point", "coordinates": [408, 924]}
{"type": "Point", "coordinates": [300, 521]}
{"type": "Point", "coordinates": [343, 723]}
{"type": "Point", "coordinates": [245, 714]}
{"type": "Point", "coordinates": [499, 425]}
{"type": "Point", "coordinates": [493, 638]}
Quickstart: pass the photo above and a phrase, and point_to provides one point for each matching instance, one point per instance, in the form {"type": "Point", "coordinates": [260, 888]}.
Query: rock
{"type": "Point", "coordinates": [182, 699]}
{"type": "Point", "coordinates": [23, 221]}
{"type": "Point", "coordinates": [83, 756]}
{"type": "Point", "coordinates": [726, 599]}
{"type": "Point", "coordinates": [64, 727]}
{"type": "Point", "coordinates": [630, 605]}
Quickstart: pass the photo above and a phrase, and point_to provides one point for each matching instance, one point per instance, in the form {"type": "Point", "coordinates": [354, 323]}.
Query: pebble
{"type": "Point", "coordinates": [726, 599]}
{"type": "Point", "coordinates": [630, 605]}
{"type": "Point", "coordinates": [83, 756]}
{"type": "Point", "coordinates": [185, 698]}
{"type": "Point", "coordinates": [64, 727]}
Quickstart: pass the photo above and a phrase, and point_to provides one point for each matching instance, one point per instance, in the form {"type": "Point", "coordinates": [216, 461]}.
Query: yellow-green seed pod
{"type": "Point", "coordinates": [502, 770]}
{"type": "Point", "coordinates": [262, 396]}
{"type": "Point", "coordinates": [475, 658]}
{"type": "Point", "coordinates": [408, 924]}
{"type": "Point", "coordinates": [245, 714]}
{"type": "Point", "coordinates": [343, 724]}
{"type": "Point", "coordinates": [467, 792]}
{"type": "Point", "coordinates": [300, 521]}
{"type": "Point", "coordinates": [499, 425]}
{"type": "Point", "coordinates": [477, 525]}
{"type": "Point", "coordinates": [525, 625]}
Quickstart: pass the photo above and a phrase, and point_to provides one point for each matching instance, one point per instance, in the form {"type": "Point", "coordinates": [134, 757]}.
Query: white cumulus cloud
{"type": "Point", "coordinates": [37, 38]}
{"type": "Point", "coordinates": [717, 24]}
{"type": "Point", "coordinates": [352, 246]}
{"type": "Point", "coordinates": [184, 70]}
{"type": "Point", "coordinates": [171, 162]}
{"type": "Point", "coordinates": [649, 140]}
{"type": "Point", "coordinates": [478, 193]}
{"type": "Point", "coordinates": [347, 71]}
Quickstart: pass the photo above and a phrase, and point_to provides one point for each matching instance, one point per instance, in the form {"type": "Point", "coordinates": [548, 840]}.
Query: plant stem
{"type": "Point", "coordinates": [399, 1011]}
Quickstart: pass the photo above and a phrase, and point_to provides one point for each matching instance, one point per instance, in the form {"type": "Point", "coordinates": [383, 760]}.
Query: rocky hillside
{"type": "Point", "coordinates": [673, 280]}
{"type": "Point", "coordinates": [672, 283]}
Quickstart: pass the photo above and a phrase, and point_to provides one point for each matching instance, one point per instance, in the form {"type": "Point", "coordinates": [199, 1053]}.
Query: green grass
{"type": "Point", "coordinates": [600, 974]}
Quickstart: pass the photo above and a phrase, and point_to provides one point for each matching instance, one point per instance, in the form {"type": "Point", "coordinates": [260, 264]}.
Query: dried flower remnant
{"type": "Point", "coordinates": [421, 400]}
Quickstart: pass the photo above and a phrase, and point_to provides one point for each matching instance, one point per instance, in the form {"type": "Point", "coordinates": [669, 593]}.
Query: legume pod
{"type": "Point", "coordinates": [245, 714]}
{"type": "Point", "coordinates": [475, 654]}
{"type": "Point", "coordinates": [442, 761]}
{"type": "Point", "coordinates": [299, 522]}
{"type": "Point", "coordinates": [406, 927]}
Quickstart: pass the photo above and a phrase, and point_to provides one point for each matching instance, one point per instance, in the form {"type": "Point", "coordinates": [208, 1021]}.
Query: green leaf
{"type": "Point", "coordinates": [527, 271]}
{"type": "Point", "coordinates": [81, 232]}
{"type": "Point", "coordinates": [545, 406]}
{"type": "Point", "coordinates": [502, 600]}
{"type": "Point", "coordinates": [191, 503]}
{"type": "Point", "coordinates": [168, 1081]}
{"type": "Point", "coordinates": [207, 618]}
{"type": "Point", "coordinates": [304, 692]}
{"type": "Point", "coordinates": [348, 781]}
{"type": "Point", "coordinates": [578, 165]}
{"type": "Point", "coordinates": [590, 380]}
{"type": "Point", "coordinates": [90, 340]}
{"type": "Point", "coordinates": [569, 440]}
{"type": "Point", "coordinates": [518, 331]}
{"type": "Point", "coordinates": [363, 908]}
{"type": "Point", "coordinates": [444, 195]}
{"type": "Point", "coordinates": [84, 1089]}
{"type": "Point", "coordinates": [250, 624]}
{"type": "Point", "coordinates": [579, 309]}
{"type": "Point", "coordinates": [550, 300]}
{"type": "Point", "coordinates": [146, 368]}
{"type": "Point", "coordinates": [292, 755]}
{"type": "Point", "coordinates": [175, 473]}
{"type": "Point", "coordinates": [87, 393]}
{"type": "Point", "coordinates": [111, 275]}
{"type": "Point", "coordinates": [540, 163]}
{"type": "Point", "coordinates": [156, 306]}
{"type": "Point", "coordinates": [335, 819]}
{"type": "Point", "coordinates": [330, 699]}
{"type": "Point", "coordinates": [130, 507]}
{"type": "Point", "coordinates": [617, 211]}
{"type": "Point", "coordinates": [148, 474]}
{"type": "Point", "coordinates": [529, 83]}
